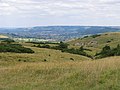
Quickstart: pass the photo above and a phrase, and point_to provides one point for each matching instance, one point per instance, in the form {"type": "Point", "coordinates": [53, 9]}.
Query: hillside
{"type": "Point", "coordinates": [97, 42]}
{"type": "Point", "coordinates": [3, 36]}
{"type": "Point", "coordinates": [49, 69]}
{"type": "Point", "coordinates": [40, 55]}
{"type": "Point", "coordinates": [58, 74]}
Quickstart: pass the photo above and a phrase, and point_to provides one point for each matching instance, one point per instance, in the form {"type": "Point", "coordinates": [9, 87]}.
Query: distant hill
{"type": "Point", "coordinates": [58, 33]}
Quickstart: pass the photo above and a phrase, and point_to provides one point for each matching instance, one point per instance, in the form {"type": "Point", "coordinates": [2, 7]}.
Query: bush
{"type": "Point", "coordinates": [107, 51]}
{"type": "Point", "coordinates": [64, 48]}
{"type": "Point", "coordinates": [108, 41]}
{"type": "Point", "coordinates": [17, 48]}
{"type": "Point", "coordinates": [8, 41]}
{"type": "Point", "coordinates": [94, 36]}
{"type": "Point", "coordinates": [72, 59]}
{"type": "Point", "coordinates": [85, 36]}
{"type": "Point", "coordinates": [62, 45]}
{"type": "Point", "coordinates": [43, 46]}
{"type": "Point", "coordinates": [45, 60]}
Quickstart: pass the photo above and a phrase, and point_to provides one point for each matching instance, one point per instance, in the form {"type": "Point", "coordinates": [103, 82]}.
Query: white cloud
{"type": "Point", "coordinates": [61, 8]}
{"type": "Point", "coordinates": [110, 1]}
{"type": "Point", "coordinates": [53, 7]}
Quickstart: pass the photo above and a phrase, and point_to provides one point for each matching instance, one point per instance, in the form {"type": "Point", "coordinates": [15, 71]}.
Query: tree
{"type": "Point", "coordinates": [107, 51]}
{"type": "Point", "coordinates": [62, 46]}
{"type": "Point", "coordinates": [117, 50]}
{"type": "Point", "coordinates": [81, 48]}
{"type": "Point", "coordinates": [118, 46]}
{"type": "Point", "coordinates": [8, 41]}
{"type": "Point", "coordinates": [106, 48]}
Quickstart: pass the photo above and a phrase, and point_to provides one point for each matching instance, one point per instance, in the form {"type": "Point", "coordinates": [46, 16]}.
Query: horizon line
{"type": "Point", "coordinates": [60, 26]}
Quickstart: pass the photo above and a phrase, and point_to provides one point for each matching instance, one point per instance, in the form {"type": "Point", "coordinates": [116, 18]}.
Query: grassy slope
{"type": "Point", "coordinates": [101, 40]}
{"type": "Point", "coordinates": [3, 36]}
{"type": "Point", "coordinates": [86, 75]}
{"type": "Point", "coordinates": [58, 73]}
{"type": "Point", "coordinates": [41, 54]}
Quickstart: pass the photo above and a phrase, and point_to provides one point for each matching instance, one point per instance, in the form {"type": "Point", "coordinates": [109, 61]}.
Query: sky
{"type": "Point", "coordinates": [29, 13]}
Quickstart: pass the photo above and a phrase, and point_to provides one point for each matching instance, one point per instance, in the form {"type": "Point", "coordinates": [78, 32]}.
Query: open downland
{"type": "Point", "coordinates": [3, 36]}
{"type": "Point", "coordinates": [85, 75]}
{"type": "Point", "coordinates": [96, 43]}
{"type": "Point", "coordinates": [40, 55]}
{"type": "Point", "coordinates": [58, 72]}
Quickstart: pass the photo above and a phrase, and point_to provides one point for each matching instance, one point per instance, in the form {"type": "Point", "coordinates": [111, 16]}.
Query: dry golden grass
{"type": "Point", "coordinates": [31, 72]}
{"type": "Point", "coordinates": [3, 36]}
{"type": "Point", "coordinates": [113, 37]}
{"type": "Point", "coordinates": [41, 54]}
{"type": "Point", "coordinates": [58, 74]}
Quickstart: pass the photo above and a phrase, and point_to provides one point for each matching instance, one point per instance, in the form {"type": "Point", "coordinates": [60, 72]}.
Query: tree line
{"type": "Point", "coordinates": [63, 47]}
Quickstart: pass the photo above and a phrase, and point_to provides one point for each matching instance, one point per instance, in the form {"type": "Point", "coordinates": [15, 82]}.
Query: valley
{"type": "Point", "coordinates": [57, 68]}
{"type": "Point", "coordinates": [32, 72]}
{"type": "Point", "coordinates": [59, 44]}
{"type": "Point", "coordinates": [57, 33]}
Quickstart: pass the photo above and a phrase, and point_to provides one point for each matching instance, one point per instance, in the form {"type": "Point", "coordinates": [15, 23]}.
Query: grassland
{"type": "Point", "coordinates": [85, 75]}
{"type": "Point", "coordinates": [3, 36]}
{"type": "Point", "coordinates": [97, 43]}
{"type": "Point", "coordinates": [48, 69]}
{"type": "Point", "coordinates": [59, 72]}
{"type": "Point", "coordinates": [41, 54]}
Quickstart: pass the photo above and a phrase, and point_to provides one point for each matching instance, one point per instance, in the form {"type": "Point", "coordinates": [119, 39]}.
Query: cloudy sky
{"type": "Point", "coordinates": [27, 13]}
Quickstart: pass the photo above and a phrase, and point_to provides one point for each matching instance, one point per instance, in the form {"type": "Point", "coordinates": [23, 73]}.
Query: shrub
{"type": "Point", "coordinates": [43, 46]}
{"type": "Point", "coordinates": [17, 48]}
{"type": "Point", "coordinates": [45, 60]}
{"type": "Point", "coordinates": [62, 45]}
{"type": "Point", "coordinates": [64, 48]}
{"type": "Point", "coordinates": [8, 41]}
{"type": "Point", "coordinates": [85, 36]}
{"type": "Point", "coordinates": [72, 59]}
{"type": "Point", "coordinates": [107, 51]}
{"type": "Point", "coordinates": [94, 36]}
{"type": "Point", "coordinates": [108, 41]}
